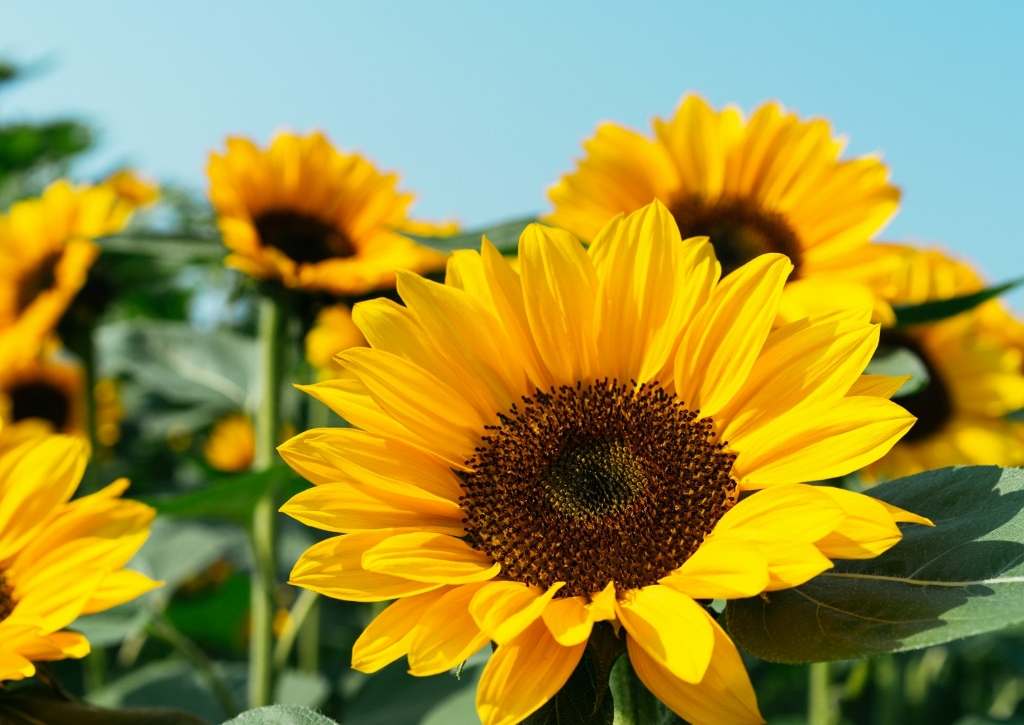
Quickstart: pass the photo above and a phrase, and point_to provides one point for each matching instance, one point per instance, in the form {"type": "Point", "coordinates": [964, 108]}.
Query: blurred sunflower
{"type": "Point", "coordinates": [231, 445]}
{"type": "Point", "coordinates": [48, 390]}
{"type": "Point", "coordinates": [773, 183]}
{"type": "Point", "coordinates": [333, 332]}
{"type": "Point", "coordinates": [506, 483]}
{"type": "Point", "coordinates": [974, 368]}
{"type": "Point", "coordinates": [46, 251]}
{"type": "Point", "coordinates": [60, 559]}
{"type": "Point", "coordinates": [314, 218]}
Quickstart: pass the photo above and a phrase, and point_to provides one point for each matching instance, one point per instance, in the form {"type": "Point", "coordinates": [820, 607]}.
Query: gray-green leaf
{"type": "Point", "coordinates": [961, 578]}
{"type": "Point", "coordinates": [281, 715]}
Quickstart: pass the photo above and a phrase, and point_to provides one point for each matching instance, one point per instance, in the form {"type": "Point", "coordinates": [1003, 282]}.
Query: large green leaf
{"type": "Point", "coordinates": [504, 236]}
{"type": "Point", "coordinates": [936, 310]}
{"type": "Point", "coordinates": [963, 577]}
{"type": "Point", "coordinates": [281, 715]}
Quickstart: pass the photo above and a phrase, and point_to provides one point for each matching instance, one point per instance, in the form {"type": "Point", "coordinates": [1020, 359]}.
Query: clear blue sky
{"type": "Point", "coordinates": [482, 105]}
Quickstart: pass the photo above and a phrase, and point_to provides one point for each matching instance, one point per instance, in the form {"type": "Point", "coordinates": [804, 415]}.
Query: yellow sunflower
{"type": "Point", "coordinates": [974, 367]}
{"type": "Point", "coordinates": [46, 250]}
{"type": "Point", "coordinates": [773, 183]}
{"type": "Point", "coordinates": [48, 390]}
{"type": "Point", "coordinates": [535, 454]}
{"type": "Point", "coordinates": [231, 446]}
{"type": "Point", "coordinates": [59, 559]}
{"type": "Point", "coordinates": [314, 218]}
{"type": "Point", "coordinates": [332, 333]}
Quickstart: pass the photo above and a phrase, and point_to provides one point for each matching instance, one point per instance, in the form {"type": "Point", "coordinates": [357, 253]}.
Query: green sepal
{"type": "Point", "coordinates": [936, 310]}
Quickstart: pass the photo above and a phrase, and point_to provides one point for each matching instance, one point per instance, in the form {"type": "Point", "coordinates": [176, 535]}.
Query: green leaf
{"type": "Point", "coordinates": [281, 715]}
{"type": "Point", "coordinates": [176, 248]}
{"type": "Point", "coordinates": [504, 236]}
{"type": "Point", "coordinates": [896, 362]}
{"type": "Point", "coordinates": [394, 697]}
{"type": "Point", "coordinates": [41, 708]}
{"type": "Point", "coordinates": [231, 498]}
{"type": "Point", "coordinates": [907, 315]}
{"type": "Point", "coordinates": [963, 577]}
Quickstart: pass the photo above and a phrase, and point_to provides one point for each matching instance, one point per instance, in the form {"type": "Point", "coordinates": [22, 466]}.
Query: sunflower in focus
{"type": "Point", "coordinates": [46, 251]}
{"type": "Point", "coordinates": [333, 332]}
{"type": "Point", "coordinates": [543, 455]}
{"type": "Point", "coordinates": [772, 183]}
{"type": "Point", "coordinates": [315, 218]}
{"type": "Point", "coordinates": [975, 368]}
{"type": "Point", "coordinates": [59, 559]}
{"type": "Point", "coordinates": [231, 445]}
{"type": "Point", "coordinates": [47, 390]}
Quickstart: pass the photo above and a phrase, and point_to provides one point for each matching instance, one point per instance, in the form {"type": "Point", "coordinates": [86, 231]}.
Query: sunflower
{"type": "Point", "coordinates": [537, 454]}
{"type": "Point", "coordinates": [314, 218]}
{"type": "Point", "coordinates": [773, 183]}
{"type": "Point", "coordinates": [48, 390]}
{"type": "Point", "coordinates": [231, 445]}
{"type": "Point", "coordinates": [974, 365]}
{"type": "Point", "coordinates": [46, 251]}
{"type": "Point", "coordinates": [332, 332]}
{"type": "Point", "coordinates": [59, 559]}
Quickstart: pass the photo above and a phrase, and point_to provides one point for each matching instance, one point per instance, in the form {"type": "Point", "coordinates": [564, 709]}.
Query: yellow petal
{"type": "Point", "coordinates": [878, 386]}
{"type": "Point", "coordinates": [868, 529]}
{"type": "Point", "coordinates": [504, 609]}
{"type": "Point", "coordinates": [334, 568]}
{"type": "Point", "coordinates": [389, 635]}
{"type": "Point", "coordinates": [781, 513]}
{"type": "Point", "coordinates": [523, 675]}
{"type": "Point", "coordinates": [725, 338]}
{"type": "Point", "coordinates": [671, 628]}
{"type": "Point", "coordinates": [569, 620]}
{"type": "Point", "coordinates": [721, 569]}
{"type": "Point", "coordinates": [820, 441]}
{"type": "Point", "coordinates": [427, 557]}
{"type": "Point", "coordinates": [723, 697]}
{"type": "Point", "coordinates": [117, 588]}
{"type": "Point", "coordinates": [446, 634]}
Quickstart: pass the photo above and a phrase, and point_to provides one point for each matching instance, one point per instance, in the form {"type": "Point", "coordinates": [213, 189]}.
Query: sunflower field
{"type": "Point", "coordinates": [695, 444]}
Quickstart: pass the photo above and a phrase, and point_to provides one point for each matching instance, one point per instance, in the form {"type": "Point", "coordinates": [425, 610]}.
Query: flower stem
{"type": "Point", "coordinates": [303, 614]}
{"type": "Point", "coordinates": [819, 699]}
{"type": "Point", "coordinates": [634, 703]}
{"type": "Point", "coordinates": [264, 576]}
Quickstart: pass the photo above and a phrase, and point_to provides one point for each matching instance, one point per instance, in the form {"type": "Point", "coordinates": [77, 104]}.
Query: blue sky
{"type": "Point", "coordinates": [482, 105]}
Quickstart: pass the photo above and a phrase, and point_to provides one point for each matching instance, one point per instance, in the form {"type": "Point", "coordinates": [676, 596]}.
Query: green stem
{"type": "Point", "coordinates": [161, 628]}
{"type": "Point", "coordinates": [634, 703]}
{"type": "Point", "coordinates": [301, 613]}
{"type": "Point", "coordinates": [264, 578]}
{"type": "Point", "coordinates": [309, 640]}
{"type": "Point", "coordinates": [819, 698]}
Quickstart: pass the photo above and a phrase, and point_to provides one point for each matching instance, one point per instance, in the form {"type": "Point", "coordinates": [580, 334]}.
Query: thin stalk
{"type": "Point", "coordinates": [634, 703]}
{"type": "Point", "coordinates": [309, 640]}
{"type": "Point", "coordinates": [304, 605]}
{"type": "Point", "coordinates": [819, 696]}
{"type": "Point", "coordinates": [161, 628]}
{"type": "Point", "coordinates": [264, 578]}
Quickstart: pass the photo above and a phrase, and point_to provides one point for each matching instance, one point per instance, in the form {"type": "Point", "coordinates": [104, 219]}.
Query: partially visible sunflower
{"type": "Point", "coordinates": [133, 190]}
{"type": "Point", "coordinates": [60, 559]}
{"type": "Point", "coordinates": [231, 445]}
{"type": "Point", "coordinates": [49, 390]}
{"type": "Point", "coordinates": [773, 183]}
{"type": "Point", "coordinates": [46, 251]}
{"type": "Point", "coordinates": [314, 218]}
{"type": "Point", "coordinates": [974, 367]}
{"type": "Point", "coordinates": [333, 332]}
{"type": "Point", "coordinates": [537, 454]}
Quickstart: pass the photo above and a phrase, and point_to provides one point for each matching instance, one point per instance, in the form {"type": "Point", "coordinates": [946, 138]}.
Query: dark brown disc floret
{"type": "Point", "coordinates": [303, 238]}
{"type": "Point", "coordinates": [6, 598]}
{"type": "Point", "coordinates": [739, 230]}
{"type": "Point", "coordinates": [39, 399]}
{"type": "Point", "coordinates": [42, 277]}
{"type": "Point", "coordinates": [933, 404]}
{"type": "Point", "coordinates": [596, 483]}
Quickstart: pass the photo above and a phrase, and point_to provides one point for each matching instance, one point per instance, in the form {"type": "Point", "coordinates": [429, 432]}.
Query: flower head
{"type": "Point", "coordinates": [59, 559]}
{"type": "Point", "coordinates": [315, 218]}
{"type": "Point", "coordinates": [537, 453]}
{"type": "Point", "coordinates": [773, 183]}
{"type": "Point", "coordinates": [231, 445]}
{"type": "Point", "coordinates": [975, 368]}
{"type": "Point", "coordinates": [47, 390]}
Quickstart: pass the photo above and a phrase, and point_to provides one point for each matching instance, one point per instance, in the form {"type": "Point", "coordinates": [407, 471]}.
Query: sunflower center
{"type": "Point", "coordinates": [6, 598]}
{"type": "Point", "coordinates": [303, 238]}
{"type": "Point", "coordinates": [933, 405]}
{"type": "Point", "coordinates": [41, 278]}
{"type": "Point", "coordinates": [597, 483]}
{"type": "Point", "coordinates": [40, 400]}
{"type": "Point", "coordinates": [739, 230]}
